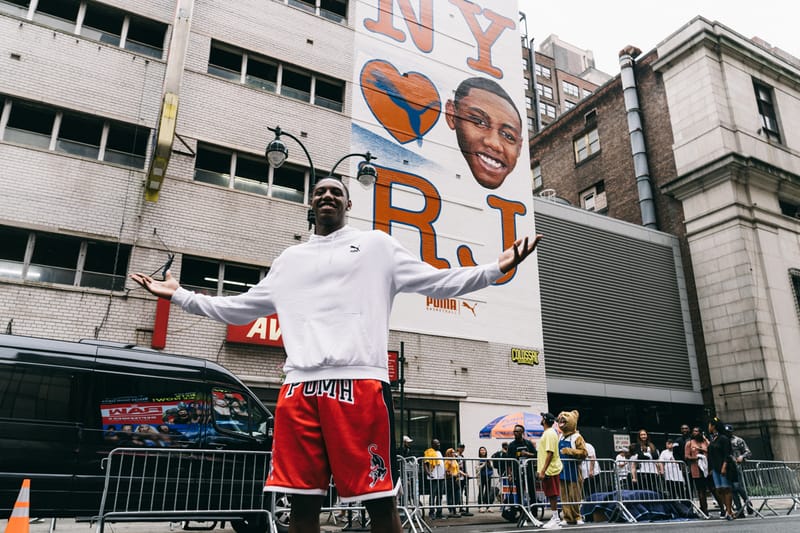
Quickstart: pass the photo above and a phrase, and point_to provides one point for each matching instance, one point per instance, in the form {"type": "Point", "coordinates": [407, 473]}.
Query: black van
{"type": "Point", "coordinates": [65, 405]}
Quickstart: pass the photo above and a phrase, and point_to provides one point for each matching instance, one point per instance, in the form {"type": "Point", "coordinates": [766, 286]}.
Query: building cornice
{"type": "Point", "coordinates": [736, 167]}
{"type": "Point", "coordinates": [702, 33]}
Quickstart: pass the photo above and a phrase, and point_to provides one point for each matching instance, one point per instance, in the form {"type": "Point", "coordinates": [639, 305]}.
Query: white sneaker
{"type": "Point", "coordinates": [579, 522]}
{"type": "Point", "coordinates": [553, 523]}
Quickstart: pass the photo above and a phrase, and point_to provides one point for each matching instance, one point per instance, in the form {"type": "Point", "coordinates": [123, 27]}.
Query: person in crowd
{"type": "Point", "coordinates": [548, 468]}
{"type": "Point", "coordinates": [464, 479]}
{"type": "Point", "coordinates": [644, 469]}
{"type": "Point", "coordinates": [719, 454]}
{"type": "Point", "coordinates": [330, 292]}
{"type": "Point", "coordinates": [672, 472]}
{"type": "Point", "coordinates": [696, 455]}
{"type": "Point", "coordinates": [405, 449]}
{"type": "Point", "coordinates": [520, 449]}
{"type": "Point", "coordinates": [679, 443]}
{"type": "Point", "coordinates": [623, 468]}
{"type": "Point", "coordinates": [484, 472]}
{"type": "Point", "coordinates": [741, 453]}
{"type": "Point", "coordinates": [453, 475]}
{"type": "Point", "coordinates": [434, 471]}
{"type": "Point", "coordinates": [500, 463]}
{"type": "Point", "coordinates": [590, 472]}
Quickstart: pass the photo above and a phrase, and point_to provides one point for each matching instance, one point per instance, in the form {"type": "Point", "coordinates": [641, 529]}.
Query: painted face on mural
{"type": "Point", "coordinates": [489, 133]}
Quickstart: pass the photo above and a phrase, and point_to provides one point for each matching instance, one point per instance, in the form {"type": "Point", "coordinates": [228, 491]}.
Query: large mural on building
{"type": "Point", "coordinates": [439, 99]}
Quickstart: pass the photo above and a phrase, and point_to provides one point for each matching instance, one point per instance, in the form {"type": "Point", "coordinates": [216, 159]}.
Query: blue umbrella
{"type": "Point", "coordinates": [502, 427]}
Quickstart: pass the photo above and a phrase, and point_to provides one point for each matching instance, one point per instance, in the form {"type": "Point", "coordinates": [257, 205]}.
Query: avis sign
{"type": "Point", "coordinates": [265, 331]}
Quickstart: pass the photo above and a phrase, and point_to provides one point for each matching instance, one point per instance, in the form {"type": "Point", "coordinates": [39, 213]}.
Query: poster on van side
{"type": "Point", "coordinates": [167, 421]}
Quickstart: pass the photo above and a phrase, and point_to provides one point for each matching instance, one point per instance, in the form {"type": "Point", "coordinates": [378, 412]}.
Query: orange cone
{"type": "Point", "coordinates": [18, 522]}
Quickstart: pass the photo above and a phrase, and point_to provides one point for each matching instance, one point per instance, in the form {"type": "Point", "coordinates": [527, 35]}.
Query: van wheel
{"type": "Point", "coordinates": [283, 507]}
{"type": "Point", "coordinates": [253, 524]}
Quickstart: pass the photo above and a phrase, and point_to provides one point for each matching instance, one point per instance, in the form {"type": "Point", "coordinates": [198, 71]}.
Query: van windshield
{"type": "Point", "coordinates": [234, 412]}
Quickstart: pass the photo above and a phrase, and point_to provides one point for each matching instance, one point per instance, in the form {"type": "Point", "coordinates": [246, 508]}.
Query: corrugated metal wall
{"type": "Point", "coordinates": [611, 305]}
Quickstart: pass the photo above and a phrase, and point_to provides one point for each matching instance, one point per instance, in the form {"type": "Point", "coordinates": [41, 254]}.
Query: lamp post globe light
{"type": "Point", "coordinates": [277, 152]}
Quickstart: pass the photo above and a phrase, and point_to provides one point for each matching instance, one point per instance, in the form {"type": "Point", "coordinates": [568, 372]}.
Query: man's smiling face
{"type": "Point", "coordinates": [329, 201]}
{"type": "Point", "coordinates": [489, 134]}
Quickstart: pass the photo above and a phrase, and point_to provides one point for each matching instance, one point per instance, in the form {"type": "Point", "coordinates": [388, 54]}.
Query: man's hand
{"type": "Point", "coordinates": [517, 253]}
{"type": "Point", "coordinates": [162, 289]}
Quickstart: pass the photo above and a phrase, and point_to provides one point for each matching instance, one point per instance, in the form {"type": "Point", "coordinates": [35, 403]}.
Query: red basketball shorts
{"type": "Point", "coordinates": [338, 427]}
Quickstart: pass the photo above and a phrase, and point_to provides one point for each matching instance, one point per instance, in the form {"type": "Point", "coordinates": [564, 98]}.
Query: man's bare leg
{"type": "Point", "coordinates": [383, 515]}
{"type": "Point", "coordinates": [304, 517]}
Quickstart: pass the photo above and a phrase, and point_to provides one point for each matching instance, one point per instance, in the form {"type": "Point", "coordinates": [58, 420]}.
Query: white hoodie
{"type": "Point", "coordinates": [333, 295]}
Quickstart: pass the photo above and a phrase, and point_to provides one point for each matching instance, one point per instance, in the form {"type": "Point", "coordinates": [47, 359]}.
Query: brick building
{"type": "Point", "coordinates": [714, 162]}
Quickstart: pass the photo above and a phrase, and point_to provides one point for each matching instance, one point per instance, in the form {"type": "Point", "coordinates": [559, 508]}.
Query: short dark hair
{"type": "Point", "coordinates": [332, 177]}
{"type": "Point", "coordinates": [484, 84]}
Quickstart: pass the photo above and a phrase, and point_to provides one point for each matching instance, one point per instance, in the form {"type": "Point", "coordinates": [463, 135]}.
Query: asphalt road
{"type": "Point", "coordinates": [773, 524]}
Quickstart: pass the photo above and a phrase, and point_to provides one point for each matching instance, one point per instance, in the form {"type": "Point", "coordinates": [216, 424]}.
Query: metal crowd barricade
{"type": "Point", "coordinates": [408, 496]}
{"type": "Point", "coordinates": [660, 482]}
{"type": "Point", "coordinates": [152, 484]}
{"type": "Point", "coordinates": [772, 480]}
{"type": "Point", "coordinates": [661, 488]}
{"type": "Point", "coordinates": [441, 496]}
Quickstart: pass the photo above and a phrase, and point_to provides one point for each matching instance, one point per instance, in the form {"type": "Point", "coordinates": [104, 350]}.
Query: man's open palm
{"type": "Point", "coordinates": [517, 252]}
{"type": "Point", "coordinates": [162, 289]}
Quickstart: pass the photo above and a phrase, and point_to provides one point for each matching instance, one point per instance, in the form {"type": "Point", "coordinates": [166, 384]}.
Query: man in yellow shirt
{"type": "Point", "coordinates": [548, 466]}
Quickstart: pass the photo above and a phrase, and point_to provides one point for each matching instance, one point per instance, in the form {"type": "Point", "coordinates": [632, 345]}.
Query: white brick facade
{"type": "Point", "coordinates": [43, 190]}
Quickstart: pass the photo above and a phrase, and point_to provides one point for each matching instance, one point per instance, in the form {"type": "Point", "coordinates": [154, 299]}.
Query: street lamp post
{"type": "Point", "coordinates": [277, 152]}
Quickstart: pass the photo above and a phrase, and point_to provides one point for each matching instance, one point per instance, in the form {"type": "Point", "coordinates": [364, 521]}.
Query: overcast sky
{"type": "Point", "coordinates": [607, 26]}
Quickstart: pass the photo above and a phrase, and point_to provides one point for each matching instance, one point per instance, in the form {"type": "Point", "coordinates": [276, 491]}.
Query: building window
{"type": "Point", "coordinates": [794, 276]}
{"type": "Point", "coordinates": [219, 278]}
{"type": "Point", "coordinates": [536, 175]}
{"type": "Point", "coordinates": [329, 93]}
{"type": "Point", "coordinates": [29, 124]}
{"type": "Point", "coordinates": [126, 144]}
{"type": "Point", "coordinates": [594, 198]}
{"type": "Point", "coordinates": [145, 36]}
{"type": "Point", "coordinates": [541, 71]}
{"type": "Point", "coordinates": [79, 135]}
{"type": "Point", "coordinates": [587, 93]}
{"type": "Point", "coordinates": [335, 10]}
{"type": "Point", "coordinates": [524, 63]}
{"type": "Point", "coordinates": [547, 110]}
{"type": "Point", "coordinates": [288, 182]}
{"type": "Point", "coordinates": [251, 174]}
{"type": "Point", "coordinates": [53, 258]}
{"type": "Point", "coordinates": [60, 14]}
{"type": "Point", "coordinates": [530, 124]}
{"type": "Point", "coordinates": [296, 84]}
{"type": "Point", "coordinates": [587, 144]}
{"type": "Point", "coordinates": [263, 73]}
{"type": "Point", "coordinates": [225, 62]}
{"type": "Point", "coordinates": [75, 133]}
{"type": "Point", "coordinates": [216, 165]}
{"type": "Point", "coordinates": [766, 110]}
{"type": "Point", "coordinates": [528, 102]}
{"type": "Point", "coordinates": [213, 165]}
{"type": "Point", "coordinates": [570, 89]}
{"type": "Point", "coordinates": [17, 8]}
{"type": "Point", "coordinates": [103, 23]}
{"type": "Point", "coordinates": [568, 105]}
{"type": "Point", "coordinates": [789, 209]}
{"type": "Point", "coordinates": [544, 90]}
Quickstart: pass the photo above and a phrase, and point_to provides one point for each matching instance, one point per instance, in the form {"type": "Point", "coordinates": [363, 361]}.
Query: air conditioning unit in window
{"type": "Point", "coordinates": [600, 201]}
